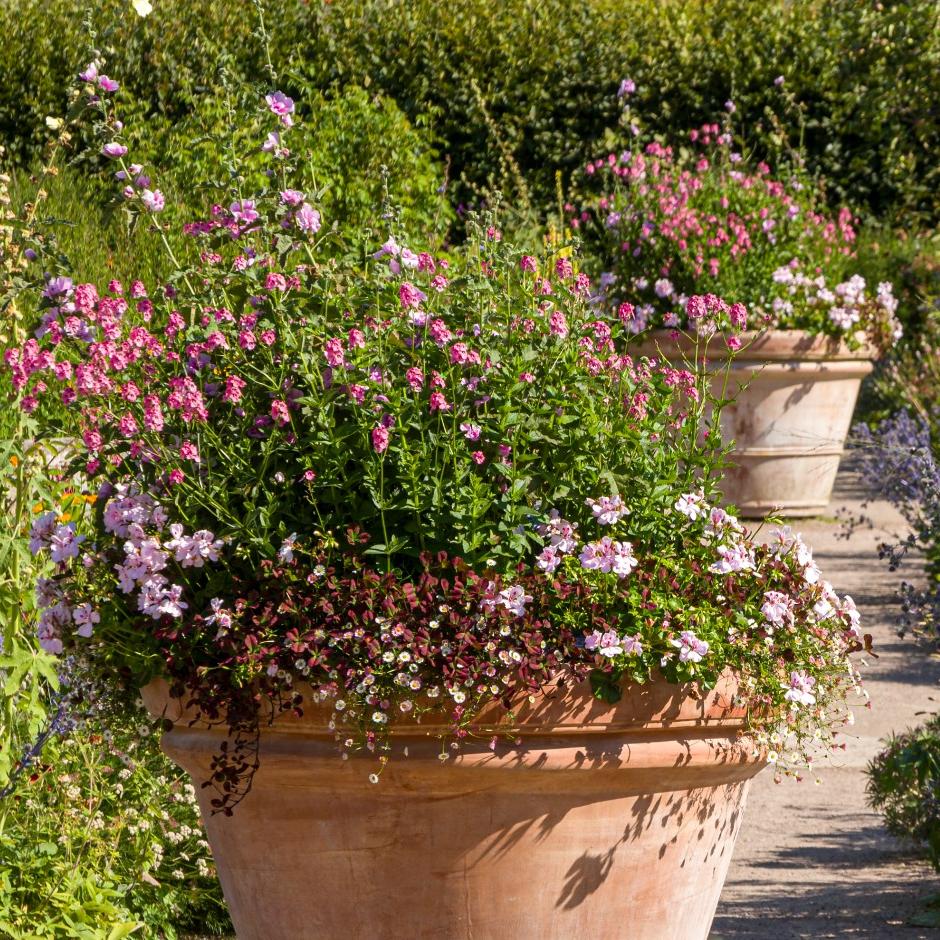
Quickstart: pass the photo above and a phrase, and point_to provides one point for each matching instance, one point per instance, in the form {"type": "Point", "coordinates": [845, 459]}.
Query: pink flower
{"type": "Point", "coordinates": [246, 339]}
{"type": "Point", "coordinates": [234, 386]}
{"type": "Point", "coordinates": [175, 477]}
{"type": "Point", "coordinates": [85, 617]}
{"type": "Point", "coordinates": [380, 438]}
{"type": "Point", "coordinates": [527, 263]}
{"type": "Point", "coordinates": [478, 456]}
{"type": "Point", "coordinates": [471, 431]}
{"type": "Point", "coordinates": [800, 689]}
{"type": "Point", "coordinates": [415, 378]}
{"type": "Point", "coordinates": [189, 451]}
{"type": "Point", "coordinates": [439, 402]}
{"type": "Point", "coordinates": [279, 412]}
{"type": "Point", "coordinates": [275, 281]}
{"type": "Point", "coordinates": [691, 648]}
{"type": "Point", "coordinates": [153, 200]}
{"type": "Point", "coordinates": [356, 339]}
{"type": "Point", "coordinates": [608, 510]}
{"type": "Point", "coordinates": [307, 219]}
{"type": "Point", "coordinates": [268, 337]}
{"type": "Point", "coordinates": [107, 84]}
{"type": "Point", "coordinates": [291, 197]}
{"type": "Point", "coordinates": [127, 425]}
{"type": "Point", "coordinates": [738, 315]}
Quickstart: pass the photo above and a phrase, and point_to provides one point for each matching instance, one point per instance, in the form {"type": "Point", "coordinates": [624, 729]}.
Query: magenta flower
{"type": "Point", "coordinates": [410, 296]}
{"type": "Point", "coordinates": [380, 436]}
{"type": "Point", "coordinates": [478, 456]}
{"type": "Point", "coordinates": [281, 105]}
{"type": "Point", "coordinates": [90, 74]}
{"type": "Point", "coordinates": [292, 197]}
{"type": "Point", "coordinates": [471, 431]}
{"type": "Point", "coordinates": [415, 378]}
{"type": "Point", "coordinates": [627, 88]}
{"type": "Point", "coordinates": [107, 84]}
{"type": "Point", "coordinates": [334, 353]}
{"type": "Point", "coordinates": [244, 211]}
{"type": "Point", "coordinates": [189, 451]}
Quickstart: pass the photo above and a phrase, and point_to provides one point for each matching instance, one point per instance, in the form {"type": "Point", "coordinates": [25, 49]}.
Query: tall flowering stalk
{"type": "Point", "coordinates": [414, 483]}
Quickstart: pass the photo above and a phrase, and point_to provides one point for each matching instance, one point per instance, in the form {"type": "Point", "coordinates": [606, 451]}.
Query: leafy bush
{"type": "Point", "coordinates": [904, 786]}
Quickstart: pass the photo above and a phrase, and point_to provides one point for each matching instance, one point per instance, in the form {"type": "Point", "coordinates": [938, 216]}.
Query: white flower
{"type": "Point", "coordinates": [692, 505]}
{"type": "Point", "coordinates": [691, 648]}
{"type": "Point", "coordinates": [142, 7]}
{"type": "Point", "coordinates": [800, 689]}
{"type": "Point", "coordinates": [608, 509]}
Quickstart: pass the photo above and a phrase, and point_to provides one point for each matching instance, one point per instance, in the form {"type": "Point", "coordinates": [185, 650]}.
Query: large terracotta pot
{"type": "Point", "coordinates": [795, 394]}
{"type": "Point", "coordinates": [602, 821]}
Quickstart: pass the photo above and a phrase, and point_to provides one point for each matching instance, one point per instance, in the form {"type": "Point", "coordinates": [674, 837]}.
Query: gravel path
{"type": "Point", "coordinates": [813, 860]}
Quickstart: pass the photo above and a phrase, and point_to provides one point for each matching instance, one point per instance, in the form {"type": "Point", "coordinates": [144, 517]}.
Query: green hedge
{"type": "Point", "coordinates": [544, 72]}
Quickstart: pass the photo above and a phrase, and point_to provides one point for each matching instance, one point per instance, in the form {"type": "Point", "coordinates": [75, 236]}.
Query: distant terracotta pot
{"type": "Point", "coordinates": [602, 821]}
{"type": "Point", "coordinates": [795, 394]}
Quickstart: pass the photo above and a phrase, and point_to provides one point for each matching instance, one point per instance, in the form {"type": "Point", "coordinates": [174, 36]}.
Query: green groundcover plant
{"type": "Point", "coordinates": [399, 484]}
{"type": "Point", "coordinates": [904, 786]}
{"type": "Point", "coordinates": [669, 220]}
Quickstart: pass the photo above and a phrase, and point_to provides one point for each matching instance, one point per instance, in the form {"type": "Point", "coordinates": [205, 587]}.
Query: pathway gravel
{"type": "Point", "coordinates": [813, 860]}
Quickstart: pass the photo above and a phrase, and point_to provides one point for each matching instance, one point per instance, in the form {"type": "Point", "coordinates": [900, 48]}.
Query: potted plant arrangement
{"type": "Point", "coordinates": [423, 569]}
{"type": "Point", "coordinates": [665, 222]}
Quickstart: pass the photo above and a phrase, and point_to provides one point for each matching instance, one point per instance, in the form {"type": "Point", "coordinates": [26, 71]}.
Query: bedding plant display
{"type": "Point", "coordinates": [370, 533]}
{"type": "Point", "coordinates": [665, 221]}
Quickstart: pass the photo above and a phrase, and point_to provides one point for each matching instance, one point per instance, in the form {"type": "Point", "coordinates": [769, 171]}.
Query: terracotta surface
{"type": "Point", "coordinates": [602, 821]}
{"type": "Point", "coordinates": [795, 395]}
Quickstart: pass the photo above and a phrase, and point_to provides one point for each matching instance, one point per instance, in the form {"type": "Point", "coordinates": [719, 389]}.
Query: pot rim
{"type": "Point", "coordinates": [565, 706]}
{"type": "Point", "coordinates": [760, 346]}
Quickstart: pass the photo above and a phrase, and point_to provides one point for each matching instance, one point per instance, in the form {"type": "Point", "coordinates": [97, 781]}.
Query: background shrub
{"type": "Point", "coordinates": [519, 89]}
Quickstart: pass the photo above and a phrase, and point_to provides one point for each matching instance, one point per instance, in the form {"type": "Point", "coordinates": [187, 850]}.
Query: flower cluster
{"type": "Point", "coordinates": [132, 553]}
{"type": "Point", "coordinates": [667, 222]}
{"type": "Point", "coordinates": [403, 483]}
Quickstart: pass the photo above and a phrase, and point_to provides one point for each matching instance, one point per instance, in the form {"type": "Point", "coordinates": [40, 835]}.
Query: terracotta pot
{"type": "Point", "coordinates": [795, 394]}
{"type": "Point", "coordinates": [602, 821]}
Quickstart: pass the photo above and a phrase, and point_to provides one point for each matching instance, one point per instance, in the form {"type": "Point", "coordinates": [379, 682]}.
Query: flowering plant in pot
{"type": "Point", "coordinates": [665, 221]}
{"type": "Point", "coordinates": [430, 515]}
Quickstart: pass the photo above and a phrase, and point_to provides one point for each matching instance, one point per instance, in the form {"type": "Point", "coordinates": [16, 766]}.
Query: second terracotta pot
{"type": "Point", "coordinates": [595, 821]}
{"type": "Point", "coordinates": [794, 398]}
